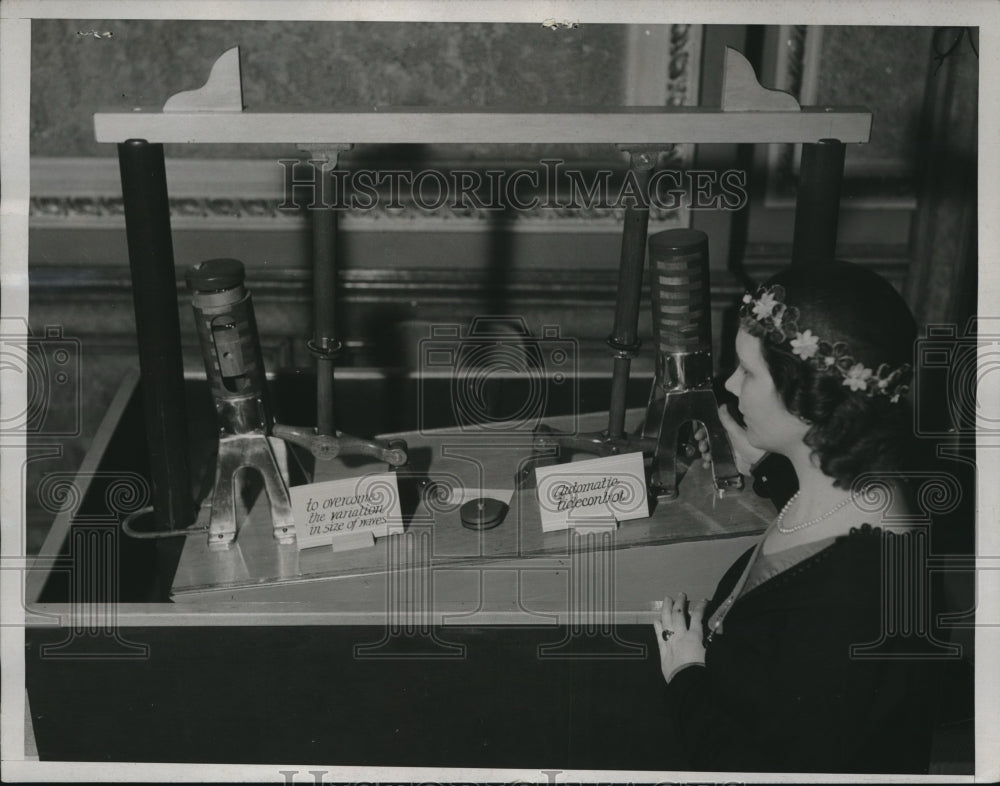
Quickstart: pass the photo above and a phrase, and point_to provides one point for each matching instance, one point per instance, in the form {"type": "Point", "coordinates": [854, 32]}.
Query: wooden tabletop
{"type": "Point", "coordinates": [439, 567]}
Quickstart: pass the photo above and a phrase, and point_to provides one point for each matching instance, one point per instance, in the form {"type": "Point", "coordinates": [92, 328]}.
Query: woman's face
{"type": "Point", "coordinates": [770, 426]}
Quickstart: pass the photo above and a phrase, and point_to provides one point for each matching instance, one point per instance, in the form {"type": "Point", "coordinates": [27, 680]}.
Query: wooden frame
{"type": "Point", "coordinates": [628, 127]}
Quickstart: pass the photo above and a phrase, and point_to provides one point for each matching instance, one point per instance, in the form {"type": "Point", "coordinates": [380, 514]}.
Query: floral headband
{"type": "Point", "coordinates": [764, 314]}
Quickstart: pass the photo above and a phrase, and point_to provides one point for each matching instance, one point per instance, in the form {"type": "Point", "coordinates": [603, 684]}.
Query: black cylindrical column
{"type": "Point", "coordinates": [154, 293]}
{"type": "Point", "coordinates": [324, 343]}
{"type": "Point", "coordinates": [624, 339]}
{"type": "Point", "coordinates": [817, 203]}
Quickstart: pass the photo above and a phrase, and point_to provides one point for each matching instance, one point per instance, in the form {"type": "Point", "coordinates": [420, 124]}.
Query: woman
{"type": "Point", "coordinates": [763, 676]}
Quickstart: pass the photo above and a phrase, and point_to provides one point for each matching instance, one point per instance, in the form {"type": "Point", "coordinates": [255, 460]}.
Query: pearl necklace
{"type": "Point", "coordinates": [804, 524]}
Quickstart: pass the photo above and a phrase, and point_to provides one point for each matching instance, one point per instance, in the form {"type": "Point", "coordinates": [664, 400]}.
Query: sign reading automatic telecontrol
{"type": "Point", "coordinates": [592, 493]}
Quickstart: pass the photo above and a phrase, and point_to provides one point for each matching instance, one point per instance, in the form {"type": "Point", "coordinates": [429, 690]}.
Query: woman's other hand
{"type": "Point", "coordinates": [745, 454]}
{"type": "Point", "coordinates": [680, 644]}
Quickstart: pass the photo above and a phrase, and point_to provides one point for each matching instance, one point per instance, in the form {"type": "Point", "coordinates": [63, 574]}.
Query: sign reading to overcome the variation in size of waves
{"type": "Point", "coordinates": [351, 507]}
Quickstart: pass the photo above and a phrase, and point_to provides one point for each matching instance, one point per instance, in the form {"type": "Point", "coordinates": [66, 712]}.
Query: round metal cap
{"type": "Point", "coordinates": [686, 240]}
{"type": "Point", "coordinates": [483, 513]}
{"type": "Point", "coordinates": [215, 275]}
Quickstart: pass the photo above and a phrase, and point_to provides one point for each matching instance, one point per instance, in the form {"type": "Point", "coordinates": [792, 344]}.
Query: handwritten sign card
{"type": "Point", "coordinates": [592, 493]}
{"type": "Point", "coordinates": [349, 508]}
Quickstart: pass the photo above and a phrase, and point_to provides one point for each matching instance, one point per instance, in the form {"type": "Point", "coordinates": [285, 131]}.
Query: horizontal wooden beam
{"type": "Point", "coordinates": [625, 126]}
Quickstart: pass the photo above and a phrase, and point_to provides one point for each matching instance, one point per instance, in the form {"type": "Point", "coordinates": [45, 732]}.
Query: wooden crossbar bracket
{"type": "Point", "coordinates": [223, 92]}
{"type": "Point", "coordinates": [749, 113]}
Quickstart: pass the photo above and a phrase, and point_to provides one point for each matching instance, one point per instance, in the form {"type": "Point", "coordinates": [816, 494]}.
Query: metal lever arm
{"type": "Point", "coordinates": [326, 447]}
{"type": "Point", "coordinates": [552, 447]}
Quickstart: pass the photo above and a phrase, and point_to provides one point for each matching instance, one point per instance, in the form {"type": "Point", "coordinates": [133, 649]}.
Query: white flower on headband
{"type": "Point", "coordinates": [765, 314]}
{"type": "Point", "coordinates": [805, 345]}
{"type": "Point", "coordinates": [857, 377]}
{"type": "Point", "coordinates": [764, 305]}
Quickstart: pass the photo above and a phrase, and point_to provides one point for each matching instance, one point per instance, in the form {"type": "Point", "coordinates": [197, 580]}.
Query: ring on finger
{"type": "Point", "coordinates": [666, 634]}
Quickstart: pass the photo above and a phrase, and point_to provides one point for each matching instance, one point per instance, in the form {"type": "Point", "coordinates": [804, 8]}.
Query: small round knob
{"type": "Point", "coordinates": [325, 447]}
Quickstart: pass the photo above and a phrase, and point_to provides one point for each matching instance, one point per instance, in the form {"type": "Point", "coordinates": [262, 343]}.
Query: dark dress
{"type": "Point", "coordinates": [808, 673]}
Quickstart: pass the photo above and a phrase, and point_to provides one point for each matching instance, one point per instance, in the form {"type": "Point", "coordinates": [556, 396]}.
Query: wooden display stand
{"type": "Point", "coordinates": [496, 620]}
{"type": "Point", "coordinates": [215, 114]}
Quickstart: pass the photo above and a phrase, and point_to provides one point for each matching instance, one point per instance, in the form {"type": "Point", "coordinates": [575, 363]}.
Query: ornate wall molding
{"type": "Point", "coordinates": [783, 160]}
{"type": "Point", "coordinates": [797, 59]}
{"type": "Point", "coordinates": [228, 213]}
{"type": "Point", "coordinates": [684, 69]}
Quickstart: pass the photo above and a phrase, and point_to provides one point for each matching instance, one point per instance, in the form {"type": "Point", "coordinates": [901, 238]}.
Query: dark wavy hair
{"type": "Point", "coordinates": [850, 432]}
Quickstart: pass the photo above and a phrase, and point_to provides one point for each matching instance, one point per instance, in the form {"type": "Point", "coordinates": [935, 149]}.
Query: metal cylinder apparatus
{"type": "Point", "coordinates": [682, 322]}
{"type": "Point", "coordinates": [230, 345]}
{"type": "Point", "coordinates": [234, 364]}
{"type": "Point", "coordinates": [682, 391]}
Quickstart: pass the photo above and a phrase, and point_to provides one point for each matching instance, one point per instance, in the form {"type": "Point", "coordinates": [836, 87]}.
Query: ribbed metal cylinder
{"type": "Point", "coordinates": [682, 316]}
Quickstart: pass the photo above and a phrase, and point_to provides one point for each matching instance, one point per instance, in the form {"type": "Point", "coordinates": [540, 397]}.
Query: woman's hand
{"type": "Point", "coordinates": [680, 644]}
{"type": "Point", "coordinates": [745, 454]}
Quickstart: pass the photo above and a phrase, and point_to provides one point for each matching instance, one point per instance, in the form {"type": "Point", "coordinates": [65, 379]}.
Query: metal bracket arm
{"type": "Point", "coordinates": [550, 447]}
{"type": "Point", "coordinates": [326, 447]}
